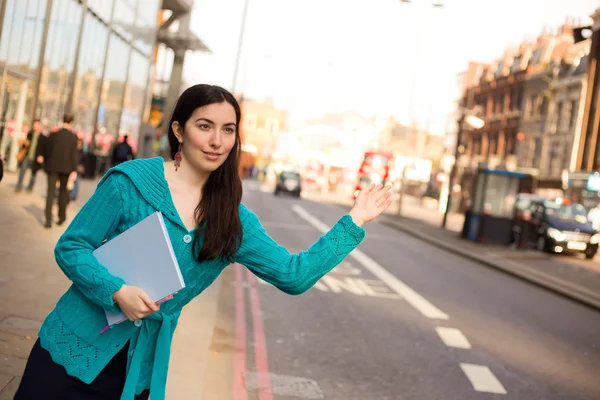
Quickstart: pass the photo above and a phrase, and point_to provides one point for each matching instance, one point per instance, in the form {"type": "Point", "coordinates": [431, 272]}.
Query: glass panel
{"type": "Point", "coordinates": [102, 8]}
{"type": "Point", "coordinates": [55, 84]}
{"type": "Point", "coordinates": [146, 25]}
{"type": "Point", "coordinates": [124, 19]}
{"type": "Point", "coordinates": [135, 96]}
{"type": "Point", "coordinates": [22, 34]}
{"type": "Point", "coordinates": [112, 92]}
{"type": "Point", "coordinates": [87, 83]}
{"type": "Point", "coordinates": [500, 195]}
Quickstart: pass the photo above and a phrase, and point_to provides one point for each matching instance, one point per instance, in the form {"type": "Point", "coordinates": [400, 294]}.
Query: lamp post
{"type": "Point", "coordinates": [416, 61]}
{"type": "Point", "coordinates": [466, 118]}
{"type": "Point", "coordinates": [239, 49]}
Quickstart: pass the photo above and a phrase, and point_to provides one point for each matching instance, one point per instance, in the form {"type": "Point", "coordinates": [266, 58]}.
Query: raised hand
{"type": "Point", "coordinates": [371, 202]}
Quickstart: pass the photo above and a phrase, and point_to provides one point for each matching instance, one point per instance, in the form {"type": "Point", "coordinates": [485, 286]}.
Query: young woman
{"type": "Point", "coordinates": [199, 194]}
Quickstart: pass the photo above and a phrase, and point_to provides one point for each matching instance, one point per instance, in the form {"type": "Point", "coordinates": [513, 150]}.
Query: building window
{"type": "Point", "coordinates": [250, 122]}
{"type": "Point", "coordinates": [145, 25]}
{"type": "Point", "coordinates": [477, 145]}
{"type": "Point", "coordinates": [124, 19]}
{"type": "Point", "coordinates": [102, 8]}
{"type": "Point", "coordinates": [89, 73]}
{"type": "Point", "coordinates": [113, 88]}
{"type": "Point", "coordinates": [573, 116]}
{"type": "Point", "coordinates": [272, 126]}
{"type": "Point", "coordinates": [22, 33]}
{"type": "Point", "coordinates": [535, 104]}
{"type": "Point", "coordinates": [559, 112]}
{"type": "Point", "coordinates": [511, 141]}
{"type": "Point", "coordinates": [537, 152]}
{"type": "Point", "coordinates": [543, 106]}
{"type": "Point", "coordinates": [135, 95]}
{"type": "Point", "coordinates": [514, 100]}
{"type": "Point", "coordinates": [55, 85]}
{"type": "Point", "coordinates": [499, 103]}
{"type": "Point", "coordinates": [493, 144]}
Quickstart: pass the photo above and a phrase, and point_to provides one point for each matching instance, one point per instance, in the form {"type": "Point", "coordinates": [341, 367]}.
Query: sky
{"type": "Point", "coordinates": [375, 57]}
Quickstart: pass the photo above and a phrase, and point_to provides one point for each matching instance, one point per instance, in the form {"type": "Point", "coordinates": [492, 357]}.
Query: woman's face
{"type": "Point", "coordinates": [208, 136]}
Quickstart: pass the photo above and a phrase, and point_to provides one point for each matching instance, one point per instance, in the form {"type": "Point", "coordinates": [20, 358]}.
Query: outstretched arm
{"type": "Point", "coordinates": [296, 273]}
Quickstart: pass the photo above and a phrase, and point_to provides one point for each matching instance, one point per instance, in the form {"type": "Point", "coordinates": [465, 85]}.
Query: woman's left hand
{"type": "Point", "coordinates": [370, 202]}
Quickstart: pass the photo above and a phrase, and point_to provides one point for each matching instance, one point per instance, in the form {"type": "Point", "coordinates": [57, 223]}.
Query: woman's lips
{"type": "Point", "coordinates": [211, 156]}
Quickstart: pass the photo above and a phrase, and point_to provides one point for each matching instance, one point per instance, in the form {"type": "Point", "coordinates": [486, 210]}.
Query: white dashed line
{"type": "Point", "coordinates": [480, 376]}
{"type": "Point", "coordinates": [482, 379]}
{"type": "Point", "coordinates": [409, 295]}
{"type": "Point", "coordinates": [453, 338]}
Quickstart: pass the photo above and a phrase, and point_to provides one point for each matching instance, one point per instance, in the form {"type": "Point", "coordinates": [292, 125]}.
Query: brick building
{"type": "Point", "coordinates": [529, 100]}
{"type": "Point", "coordinates": [551, 106]}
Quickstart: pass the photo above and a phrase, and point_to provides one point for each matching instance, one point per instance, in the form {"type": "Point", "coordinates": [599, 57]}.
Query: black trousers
{"type": "Point", "coordinates": [44, 379]}
{"type": "Point", "coordinates": [63, 196]}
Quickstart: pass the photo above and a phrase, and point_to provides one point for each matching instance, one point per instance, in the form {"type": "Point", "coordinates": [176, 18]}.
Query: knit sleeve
{"type": "Point", "coordinates": [95, 222]}
{"type": "Point", "coordinates": [294, 273]}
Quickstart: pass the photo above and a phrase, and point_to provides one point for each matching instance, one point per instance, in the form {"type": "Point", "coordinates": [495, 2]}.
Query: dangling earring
{"type": "Point", "coordinates": [178, 158]}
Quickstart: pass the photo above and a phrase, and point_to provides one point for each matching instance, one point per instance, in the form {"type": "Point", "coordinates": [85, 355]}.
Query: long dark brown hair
{"type": "Point", "coordinates": [217, 214]}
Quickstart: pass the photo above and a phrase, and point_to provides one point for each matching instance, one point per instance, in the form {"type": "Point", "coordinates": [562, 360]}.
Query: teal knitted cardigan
{"type": "Point", "coordinates": [125, 195]}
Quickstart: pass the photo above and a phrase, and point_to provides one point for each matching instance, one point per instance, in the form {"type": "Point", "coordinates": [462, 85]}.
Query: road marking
{"type": "Point", "coordinates": [239, 365]}
{"type": "Point", "coordinates": [482, 379]}
{"type": "Point", "coordinates": [453, 338]}
{"type": "Point", "coordinates": [408, 294]}
{"type": "Point", "coordinates": [283, 225]}
{"type": "Point", "coordinates": [286, 385]}
{"type": "Point", "coordinates": [260, 343]}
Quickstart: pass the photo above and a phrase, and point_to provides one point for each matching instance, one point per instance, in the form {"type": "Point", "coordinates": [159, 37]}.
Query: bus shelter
{"type": "Point", "coordinates": [490, 218]}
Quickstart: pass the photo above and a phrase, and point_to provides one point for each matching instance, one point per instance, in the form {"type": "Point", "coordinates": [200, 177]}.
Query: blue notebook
{"type": "Point", "coordinates": [143, 256]}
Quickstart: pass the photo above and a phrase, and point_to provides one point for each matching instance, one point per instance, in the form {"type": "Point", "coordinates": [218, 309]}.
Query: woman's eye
{"type": "Point", "coordinates": [229, 130]}
{"type": "Point", "coordinates": [204, 126]}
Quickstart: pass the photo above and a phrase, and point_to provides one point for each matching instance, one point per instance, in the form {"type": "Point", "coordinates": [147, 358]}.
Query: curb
{"type": "Point", "coordinates": [191, 343]}
{"type": "Point", "coordinates": [560, 286]}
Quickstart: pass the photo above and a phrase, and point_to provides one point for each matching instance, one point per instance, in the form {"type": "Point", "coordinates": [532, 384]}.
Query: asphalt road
{"type": "Point", "coordinates": [400, 319]}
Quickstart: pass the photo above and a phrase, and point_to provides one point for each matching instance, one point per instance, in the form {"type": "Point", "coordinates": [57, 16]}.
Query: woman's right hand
{"type": "Point", "coordinates": [134, 302]}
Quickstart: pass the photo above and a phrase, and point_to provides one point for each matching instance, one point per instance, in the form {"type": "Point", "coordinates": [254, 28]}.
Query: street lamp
{"type": "Point", "coordinates": [416, 61]}
{"type": "Point", "coordinates": [238, 55]}
{"type": "Point", "coordinates": [467, 119]}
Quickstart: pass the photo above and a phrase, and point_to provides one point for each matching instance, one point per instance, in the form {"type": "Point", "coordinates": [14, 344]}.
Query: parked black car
{"type": "Point", "coordinates": [562, 228]}
{"type": "Point", "coordinates": [289, 182]}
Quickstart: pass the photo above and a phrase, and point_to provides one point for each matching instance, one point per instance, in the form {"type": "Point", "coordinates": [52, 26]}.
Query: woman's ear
{"type": "Point", "coordinates": [177, 130]}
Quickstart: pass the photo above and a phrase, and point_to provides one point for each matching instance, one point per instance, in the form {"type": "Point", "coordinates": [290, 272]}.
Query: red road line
{"type": "Point", "coordinates": [265, 391]}
{"type": "Point", "coordinates": [239, 363]}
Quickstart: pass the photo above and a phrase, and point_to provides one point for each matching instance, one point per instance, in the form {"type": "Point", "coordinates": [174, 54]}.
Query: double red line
{"type": "Point", "coordinates": [260, 344]}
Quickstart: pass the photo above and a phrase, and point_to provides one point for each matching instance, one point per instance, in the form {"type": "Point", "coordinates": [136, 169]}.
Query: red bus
{"type": "Point", "coordinates": [375, 168]}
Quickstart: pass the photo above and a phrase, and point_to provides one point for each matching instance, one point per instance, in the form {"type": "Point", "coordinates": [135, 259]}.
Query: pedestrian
{"type": "Point", "coordinates": [61, 164]}
{"type": "Point", "coordinates": [30, 155]}
{"type": "Point", "coordinates": [122, 152]}
{"type": "Point", "coordinates": [80, 171]}
{"type": "Point", "coordinates": [72, 358]}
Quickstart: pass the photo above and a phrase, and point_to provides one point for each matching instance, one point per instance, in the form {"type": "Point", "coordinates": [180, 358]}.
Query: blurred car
{"type": "Point", "coordinates": [563, 228]}
{"type": "Point", "coordinates": [522, 207]}
{"type": "Point", "coordinates": [289, 182]}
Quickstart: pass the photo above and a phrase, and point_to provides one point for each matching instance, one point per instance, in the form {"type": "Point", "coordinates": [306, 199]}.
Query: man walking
{"type": "Point", "coordinates": [122, 152]}
{"type": "Point", "coordinates": [32, 156]}
{"type": "Point", "coordinates": [61, 162]}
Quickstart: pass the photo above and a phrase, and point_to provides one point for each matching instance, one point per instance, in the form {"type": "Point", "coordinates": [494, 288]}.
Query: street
{"type": "Point", "coordinates": [399, 319]}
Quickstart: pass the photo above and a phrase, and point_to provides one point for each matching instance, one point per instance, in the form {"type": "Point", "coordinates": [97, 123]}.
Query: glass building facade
{"type": "Point", "coordinates": [88, 57]}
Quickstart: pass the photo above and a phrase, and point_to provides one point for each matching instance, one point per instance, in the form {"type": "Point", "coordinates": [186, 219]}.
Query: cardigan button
{"type": "Point", "coordinates": [187, 238]}
{"type": "Point", "coordinates": [137, 322]}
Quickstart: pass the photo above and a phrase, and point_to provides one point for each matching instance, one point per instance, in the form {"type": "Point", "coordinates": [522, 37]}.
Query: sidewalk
{"type": "Point", "coordinates": [31, 283]}
{"type": "Point", "coordinates": [567, 275]}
